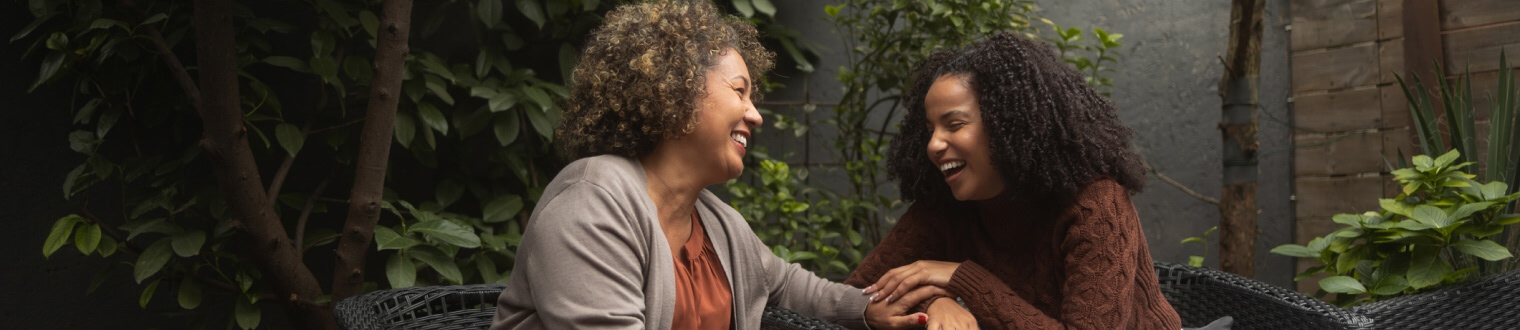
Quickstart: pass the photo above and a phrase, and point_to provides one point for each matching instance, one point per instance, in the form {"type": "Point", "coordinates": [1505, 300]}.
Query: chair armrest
{"type": "Point", "coordinates": [1202, 295]}
{"type": "Point", "coordinates": [430, 307]}
{"type": "Point", "coordinates": [1486, 303]}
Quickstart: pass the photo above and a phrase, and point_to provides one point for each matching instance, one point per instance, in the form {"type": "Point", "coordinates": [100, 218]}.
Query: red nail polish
{"type": "Point", "coordinates": [923, 319]}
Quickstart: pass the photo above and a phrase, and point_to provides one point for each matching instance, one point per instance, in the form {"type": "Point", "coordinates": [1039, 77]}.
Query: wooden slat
{"type": "Point", "coordinates": [1329, 23]}
{"type": "Point", "coordinates": [1480, 47]}
{"type": "Point", "coordinates": [1390, 61]}
{"type": "Point", "coordinates": [1395, 107]}
{"type": "Point", "coordinates": [1335, 69]}
{"type": "Point", "coordinates": [1339, 154]}
{"type": "Point", "coordinates": [1325, 196]}
{"type": "Point", "coordinates": [1422, 45]}
{"type": "Point", "coordinates": [1456, 14]}
{"type": "Point", "coordinates": [1396, 146]}
{"type": "Point", "coordinates": [1304, 230]}
{"type": "Point", "coordinates": [1339, 111]}
{"type": "Point", "coordinates": [1390, 19]}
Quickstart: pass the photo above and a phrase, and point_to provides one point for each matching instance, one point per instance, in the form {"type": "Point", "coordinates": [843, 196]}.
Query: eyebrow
{"type": "Point", "coordinates": [950, 113]}
{"type": "Point", "coordinates": [742, 78]}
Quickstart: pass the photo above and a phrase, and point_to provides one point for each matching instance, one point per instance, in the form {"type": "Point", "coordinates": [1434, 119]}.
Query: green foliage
{"type": "Point", "coordinates": [1069, 43]}
{"type": "Point", "coordinates": [1439, 230]}
{"type": "Point", "coordinates": [1502, 161]}
{"type": "Point", "coordinates": [472, 137]}
{"type": "Point", "coordinates": [780, 212]}
{"type": "Point", "coordinates": [1197, 260]}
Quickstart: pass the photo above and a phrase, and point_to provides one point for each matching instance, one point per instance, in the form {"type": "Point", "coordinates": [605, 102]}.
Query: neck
{"type": "Point", "coordinates": [672, 186]}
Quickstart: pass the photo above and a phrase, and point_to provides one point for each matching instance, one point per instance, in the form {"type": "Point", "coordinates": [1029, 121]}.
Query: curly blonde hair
{"type": "Point", "coordinates": [642, 72]}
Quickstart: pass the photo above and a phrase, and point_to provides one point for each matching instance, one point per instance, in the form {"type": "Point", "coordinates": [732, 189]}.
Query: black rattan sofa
{"type": "Point", "coordinates": [1199, 295]}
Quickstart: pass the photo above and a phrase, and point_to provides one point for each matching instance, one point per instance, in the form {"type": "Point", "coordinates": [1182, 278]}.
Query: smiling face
{"type": "Point", "coordinates": [725, 117]}
{"type": "Point", "coordinates": [958, 143]}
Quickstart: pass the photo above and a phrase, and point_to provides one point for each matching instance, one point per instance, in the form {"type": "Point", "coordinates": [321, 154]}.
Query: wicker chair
{"type": "Point", "coordinates": [1488, 303]}
{"type": "Point", "coordinates": [472, 306]}
{"type": "Point", "coordinates": [1202, 295]}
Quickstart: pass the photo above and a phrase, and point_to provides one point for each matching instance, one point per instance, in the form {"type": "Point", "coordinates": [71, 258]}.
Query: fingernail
{"type": "Point", "coordinates": [890, 299]}
{"type": "Point", "coordinates": [922, 320]}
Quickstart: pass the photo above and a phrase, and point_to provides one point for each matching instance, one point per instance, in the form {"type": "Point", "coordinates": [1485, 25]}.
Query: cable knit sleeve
{"type": "Point", "coordinates": [1099, 247]}
{"type": "Point", "coordinates": [913, 238]}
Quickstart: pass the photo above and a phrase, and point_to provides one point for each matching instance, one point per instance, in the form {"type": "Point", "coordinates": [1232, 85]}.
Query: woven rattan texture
{"type": "Point", "coordinates": [472, 306]}
{"type": "Point", "coordinates": [1203, 295]}
{"type": "Point", "coordinates": [1489, 303]}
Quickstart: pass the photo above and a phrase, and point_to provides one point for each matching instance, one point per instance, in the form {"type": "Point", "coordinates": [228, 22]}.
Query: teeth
{"type": "Point", "coordinates": [951, 165]}
{"type": "Point", "coordinates": [741, 139]}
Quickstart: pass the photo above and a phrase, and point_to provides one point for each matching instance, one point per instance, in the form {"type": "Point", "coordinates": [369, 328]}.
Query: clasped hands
{"type": "Point", "coordinates": [903, 288]}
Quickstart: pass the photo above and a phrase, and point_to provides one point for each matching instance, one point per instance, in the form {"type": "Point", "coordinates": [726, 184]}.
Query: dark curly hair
{"type": "Point", "coordinates": [1050, 133]}
{"type": "Point", "coordinates": [642, 72]}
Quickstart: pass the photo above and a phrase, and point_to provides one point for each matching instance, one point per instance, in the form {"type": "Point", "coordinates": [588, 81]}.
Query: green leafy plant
{"type": "Point", "coordinates": [1104, 50]}
{"type": "Point", "coordinates": [779, 210]}
{"type": "Point", "coordinates": [474, 118]}
{"type": "Point", "coordinates": [1501, 161]}
{"type": "Point", "coordinates": [1439, 230]}
{"type": "Point", "coordinates": [1197, 260]}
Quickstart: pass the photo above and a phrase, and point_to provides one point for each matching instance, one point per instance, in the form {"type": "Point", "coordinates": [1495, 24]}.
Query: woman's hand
{"type": "Point", "coordinates": [946, 314]}
{"type": "Point", "coordinates": [882, 314]}
{"type": "Point", "coordinates": [898, 281]}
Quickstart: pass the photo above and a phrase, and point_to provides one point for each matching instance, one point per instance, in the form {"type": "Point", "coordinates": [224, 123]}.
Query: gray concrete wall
{"type": "Point", "coordinates": [1166, 89]}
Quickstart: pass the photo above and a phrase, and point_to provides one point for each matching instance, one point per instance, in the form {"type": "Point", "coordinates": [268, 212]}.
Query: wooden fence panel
{"type": "Point", "coordinates": [1329, 23]}
{"type": "Point", "coordinates": [1390, 19]}
{"type": "Point", "coordinates": [1326, 196]}
{"type": "Point", "coordinates": [1335, 69]}
{"type": "Point", "coordinates": [1390, 61]}
{"type": "Point", "coordinates": [1456, 14]}
{"type": "Point", "coordinates": [1395, 106]}
{"type": "Point", "coordinates": [1339, 154]}
{"type": "Point", "coordinates": [1478, 49]}
{"type": "Point", "coordinates": [1339, 111]}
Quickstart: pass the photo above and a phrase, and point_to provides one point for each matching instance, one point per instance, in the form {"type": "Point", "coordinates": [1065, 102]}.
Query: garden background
{"type": "Point", "coordinates": [1165, 84]}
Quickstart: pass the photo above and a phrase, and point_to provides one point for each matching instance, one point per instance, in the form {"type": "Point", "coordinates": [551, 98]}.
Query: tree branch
{"type": "Point", "coordinates": [225, 140]}
{"type": "Point", "coordinates": [1174, 183]}
{"type": "Point", "coordinates": [311, 201]}
{"type": "Point", "coordinates": [374, 149]}
{"type": "Point", "coordinates": [176, 68]}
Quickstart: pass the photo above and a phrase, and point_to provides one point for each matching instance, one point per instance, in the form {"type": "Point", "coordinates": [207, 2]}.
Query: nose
{"type": "Point", "coordinates": [752, 115]}
{"type": "Point", "coordinates": [937, 144]}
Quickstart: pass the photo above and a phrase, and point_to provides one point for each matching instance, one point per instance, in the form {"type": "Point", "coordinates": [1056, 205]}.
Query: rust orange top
{"type": "Point", "coordinates": [703, 299]}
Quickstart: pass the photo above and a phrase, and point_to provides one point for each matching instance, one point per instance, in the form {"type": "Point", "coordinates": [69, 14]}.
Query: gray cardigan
{"type": "Point", "coordinates": [593, 256]}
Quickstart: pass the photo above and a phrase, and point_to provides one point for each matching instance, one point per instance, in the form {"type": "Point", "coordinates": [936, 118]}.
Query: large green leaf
{"type": "Point", "coordinates": [147, 294]}
{"type": "Point", "coordinates": [290, 138]}
{"type": "Point", "coordinates": [506, 128]}
{"type": "Point", "coordinates": [1389, 285]}
{"type": "Point", "coordinates": [406, 129]}
{"type": "Point", "coordinates": [487, 268]}
{"type": "Point", "coordinates": [1426, 267]}
{"type": "Point", "coordinates": [247, 314]}
{"type": "Point", "coordinates": [448, 192]}
{"type": "Point", "coordinates": [87, 238]}
{"type": "Point", "coordinates": [59, 235]}
{"type": "Point", "coordinates": [432, 117]}
{"type": "Point", "coordinates": [440, 262]}
{"type": "Point", "coordinates": [489, 12]}
{"type": "Point", "coordinates": [388, 239]}
{"type": "Point", "coordinates": [533, 11]}
{"type": "Point", "coordinates": [1342, 284]}
{"type": "Point", "coordinates": [189, 242]}
{"type": "Point", "coordinates": [1430, 215]}
{"type": "Point", "coordinates": [765, 7]}
{"type": "Point", "coordinates": [189, 294]}
{"type": "Point", "coordinates": [152, 259]}
{"type": "Point", "coordinates": [448, 232]}
{"type": "Point", "coordinates": [400, 271]}
{"type": "Point", "coordinates": [1486, 249]}
{"type": "Point", "coordinates": [502, 208]}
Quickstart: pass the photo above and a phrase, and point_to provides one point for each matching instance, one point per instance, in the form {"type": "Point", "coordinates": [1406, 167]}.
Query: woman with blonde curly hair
{"type": "Point", "coordinates": [627, 236]}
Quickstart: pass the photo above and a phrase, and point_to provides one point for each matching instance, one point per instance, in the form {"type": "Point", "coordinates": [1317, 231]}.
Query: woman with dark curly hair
{"type": "Point", "coordinates": [1021, 178]}
{"type": "Point", "coordinates": [627, 236]}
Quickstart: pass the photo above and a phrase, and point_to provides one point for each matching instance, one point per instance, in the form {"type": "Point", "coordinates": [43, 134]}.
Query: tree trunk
{"type": "Point", "coordinates": [226, 144]}
{"type": "Point", "coordinates": [1237, 204]}
{"type": "Point", "coordinates": [374, 149]}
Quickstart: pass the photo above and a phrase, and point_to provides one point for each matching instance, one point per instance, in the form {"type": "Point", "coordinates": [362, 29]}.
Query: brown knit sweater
{"type": "Point", "coordinates": [1088, 267]}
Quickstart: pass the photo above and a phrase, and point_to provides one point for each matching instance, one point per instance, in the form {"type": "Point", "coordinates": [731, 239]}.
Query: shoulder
{"type": "Point", "coordinates": [1103, 193]}
{"type": "Point", "coordinates": [606, 189]}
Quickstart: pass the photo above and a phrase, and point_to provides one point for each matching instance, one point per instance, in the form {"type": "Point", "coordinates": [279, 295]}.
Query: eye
{"type": "Point", "coordinates": [741, 91]}
{"type": "Point", "coordinates": [956, 125]}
